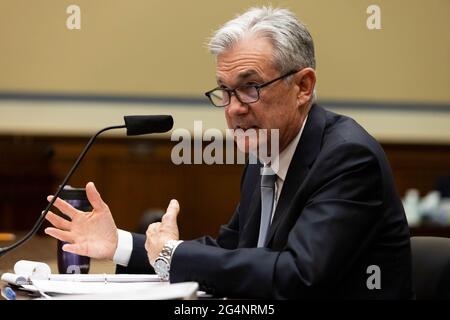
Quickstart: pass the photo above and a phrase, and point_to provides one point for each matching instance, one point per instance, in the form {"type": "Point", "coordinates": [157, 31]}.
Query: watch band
{"type": "Point", "coordinates": [162, 263]}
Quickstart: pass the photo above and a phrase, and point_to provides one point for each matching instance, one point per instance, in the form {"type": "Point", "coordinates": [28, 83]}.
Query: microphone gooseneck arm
{"type": "Point", "coordinates": [41, 219]}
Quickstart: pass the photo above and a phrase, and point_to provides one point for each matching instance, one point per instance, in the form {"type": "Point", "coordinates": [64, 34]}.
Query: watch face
{"type": "Point", "coordinates": [162, 268]}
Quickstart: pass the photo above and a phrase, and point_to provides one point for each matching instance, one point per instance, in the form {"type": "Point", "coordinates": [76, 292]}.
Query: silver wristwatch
{"type": "Point", "coordinates": [162, 263]}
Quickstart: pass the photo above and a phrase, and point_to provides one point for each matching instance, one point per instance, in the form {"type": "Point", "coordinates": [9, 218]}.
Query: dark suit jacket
{"type": "Point", "coordinates": [338, 213]}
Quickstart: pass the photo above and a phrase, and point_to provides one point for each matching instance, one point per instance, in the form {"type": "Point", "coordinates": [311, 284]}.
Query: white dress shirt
{"type": "Point", "coordinates": [125, 239]}
{"type": "Point", "coordinates": [284, 160]}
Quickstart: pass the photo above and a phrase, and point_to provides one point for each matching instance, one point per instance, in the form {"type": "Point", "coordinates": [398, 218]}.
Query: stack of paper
{"type": "Point", "coordinates": [115, 291]}
{"type": "Point", "coordinates": [37, 277]}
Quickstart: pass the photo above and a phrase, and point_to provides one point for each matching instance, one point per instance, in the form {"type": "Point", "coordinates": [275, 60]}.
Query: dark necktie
{"type": "Point", "coordinates": [268, 179]}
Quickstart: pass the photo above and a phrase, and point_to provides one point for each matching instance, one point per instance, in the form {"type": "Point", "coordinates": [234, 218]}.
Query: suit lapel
{"type": "Point", "coordinates": [305, 154]}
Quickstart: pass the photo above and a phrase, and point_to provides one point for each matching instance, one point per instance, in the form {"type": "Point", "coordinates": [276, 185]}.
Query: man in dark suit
{"type": "Point", "coordinates": [327, 222]}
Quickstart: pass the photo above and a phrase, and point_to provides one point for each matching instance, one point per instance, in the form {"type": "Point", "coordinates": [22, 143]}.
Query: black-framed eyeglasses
{"type": "Point", "coordinates": [221, 97]}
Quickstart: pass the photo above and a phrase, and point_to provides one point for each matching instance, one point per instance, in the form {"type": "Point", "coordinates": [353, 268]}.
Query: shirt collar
{"type": "Point", "coordinates": [285, 157]}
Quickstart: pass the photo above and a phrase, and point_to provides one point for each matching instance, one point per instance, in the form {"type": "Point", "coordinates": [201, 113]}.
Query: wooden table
{"type": "Point", "coordinates": [43, 249]}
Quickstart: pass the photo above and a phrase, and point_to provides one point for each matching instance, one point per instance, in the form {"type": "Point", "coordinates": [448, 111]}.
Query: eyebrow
{"type": "Point", "coordinates": [247, 74]}
{"type": "Point", "coordinates": [243, 75]}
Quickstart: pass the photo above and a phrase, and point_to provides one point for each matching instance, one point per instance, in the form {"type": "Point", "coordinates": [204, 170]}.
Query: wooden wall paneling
{"type": "Point", "coordinates": [216, 196]}
{"type": "Point", "coordinates": [418, 166]}
{"type": "Point", "coordinates": [24, 176]}
{"type": "Point", "coordinates": [134, 175]}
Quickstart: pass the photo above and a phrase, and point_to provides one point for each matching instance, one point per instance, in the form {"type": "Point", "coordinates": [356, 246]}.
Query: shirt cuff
{"type": "Point", "coordinates": [124, 248]}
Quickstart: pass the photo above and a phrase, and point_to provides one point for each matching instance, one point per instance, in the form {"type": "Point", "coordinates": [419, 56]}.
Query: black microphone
{"type": "Point", "coordinates": [135, 125]}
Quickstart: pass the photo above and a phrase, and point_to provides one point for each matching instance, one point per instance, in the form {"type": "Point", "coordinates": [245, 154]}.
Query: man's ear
{"type": "Point", "coordinates": [306, 81]}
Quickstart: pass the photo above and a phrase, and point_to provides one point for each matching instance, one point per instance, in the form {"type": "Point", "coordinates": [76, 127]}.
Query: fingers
{"type": "Point", "coordinates": [149, 234]}
{"type": "Point", "coordinates": [73, 248]}
{"type": "Point", "coordinates": [58, 221]}
{"type": "Point", "coordinates": [170, 217]}
{"type": "Point", "coordinates": [94, 197]}
{"type": "Point", "coordinates": [152, 228]}
{"type": "Point", "coordinates": [64, 207]}
{"type": "Point", "coordinates": [59, 234]}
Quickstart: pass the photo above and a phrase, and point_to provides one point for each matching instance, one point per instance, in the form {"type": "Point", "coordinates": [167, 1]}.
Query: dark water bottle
{"type": "Point", "coordinates": [69, 262]}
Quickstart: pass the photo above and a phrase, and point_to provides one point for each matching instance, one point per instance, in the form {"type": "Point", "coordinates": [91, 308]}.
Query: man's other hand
{"type": "Point", "coordinates": [92, 234]}
{"type": "Point", "coordinates": [160, 232]}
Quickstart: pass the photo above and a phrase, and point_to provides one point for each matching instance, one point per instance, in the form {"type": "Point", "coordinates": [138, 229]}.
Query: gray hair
{"type": "Point", "coordinates": [292, 43]}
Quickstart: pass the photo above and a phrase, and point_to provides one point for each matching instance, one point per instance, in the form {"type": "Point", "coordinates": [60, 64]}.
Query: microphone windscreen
{"type": "Point", "coordinates": [137, 125]}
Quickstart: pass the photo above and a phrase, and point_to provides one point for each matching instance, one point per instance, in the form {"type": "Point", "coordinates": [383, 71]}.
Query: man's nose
{"type": "Point", "coordinates": [236, 107]}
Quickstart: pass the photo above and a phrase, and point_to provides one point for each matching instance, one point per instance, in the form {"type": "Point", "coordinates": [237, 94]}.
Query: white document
{"type": "Point", "coordinates": [37, 277]}
{"type": "Point", "coordinates": [115, 291]}
{"type": "Point", "coordinates": [104, 277]}
{"type": "Point", "coordinates": [25, 271]}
